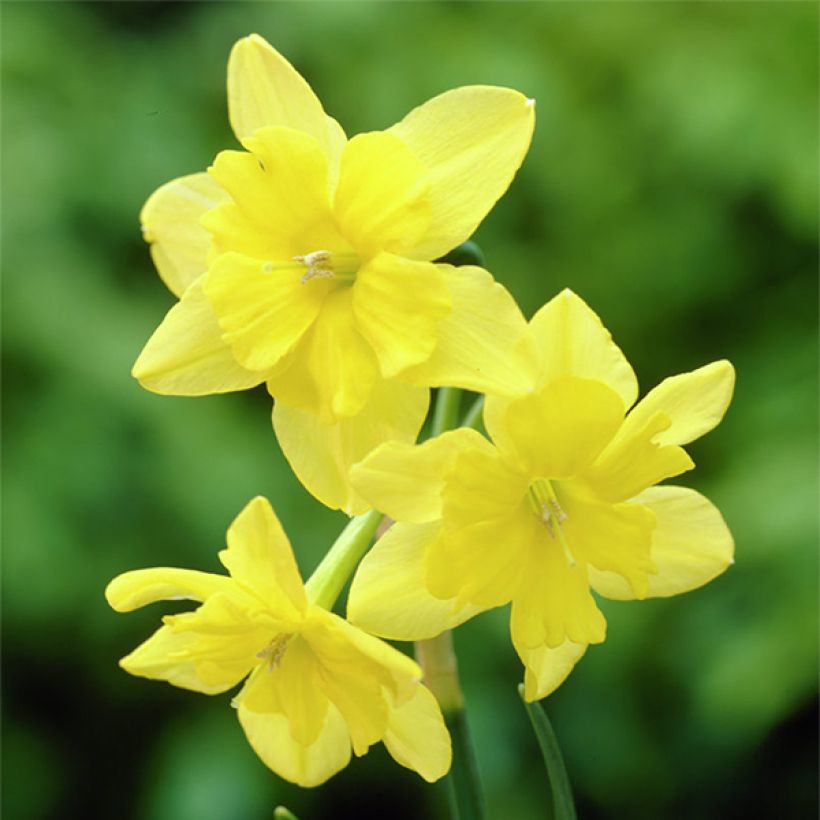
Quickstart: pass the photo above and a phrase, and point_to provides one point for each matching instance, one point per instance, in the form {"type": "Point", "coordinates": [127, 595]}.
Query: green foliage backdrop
{"type": "Point", "coordinates": [672, 182]}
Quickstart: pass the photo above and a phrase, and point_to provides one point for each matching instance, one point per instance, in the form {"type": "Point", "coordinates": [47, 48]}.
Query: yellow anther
{"type": "Point", "coordinates": [318, 264]}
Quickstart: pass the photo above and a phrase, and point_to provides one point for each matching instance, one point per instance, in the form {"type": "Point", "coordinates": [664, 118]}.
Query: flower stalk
{"type": "Point", "coordinates": [329, 578]}
{"type": "Point", "coordinates": [437, 659]}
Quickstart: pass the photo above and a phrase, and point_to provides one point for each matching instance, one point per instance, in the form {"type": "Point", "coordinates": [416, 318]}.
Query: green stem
{"type": "Point", "coordinates": [445, 413]}
{"type": "Point", "coordinates": [329, 578]}
{"type": "Point", "coordinates": [562, 802]}
{"type": "Point", "coordinates": [474, 414]}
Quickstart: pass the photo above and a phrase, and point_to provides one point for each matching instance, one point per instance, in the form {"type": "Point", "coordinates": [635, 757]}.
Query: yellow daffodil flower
{"type": "Point", "coordinates": [315, 684]}
{"type": "Point", "coordinates": [304, 262]}
{"type": "Point", "coordinates": [562, 501]}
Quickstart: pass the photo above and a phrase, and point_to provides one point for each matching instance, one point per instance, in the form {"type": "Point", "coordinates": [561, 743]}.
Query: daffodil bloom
{"type": "Point", "coordinates": [562, 502]}
{"type": "Point", "coordinates": [315, 684]}
{"type": "Point", "coordinates": [304, 262]}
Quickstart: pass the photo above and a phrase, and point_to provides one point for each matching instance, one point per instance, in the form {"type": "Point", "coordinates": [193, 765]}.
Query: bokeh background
{"type": "Point", "coordinates": [672, 182]}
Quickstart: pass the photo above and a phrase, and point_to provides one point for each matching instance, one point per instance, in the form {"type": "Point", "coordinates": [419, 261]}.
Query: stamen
{"type": "Point", "coordinates": [275, 650]}
{"type": "Point", "coordinates": [549, 512]}
{"type": "Point", "coordinates": [318, 264]}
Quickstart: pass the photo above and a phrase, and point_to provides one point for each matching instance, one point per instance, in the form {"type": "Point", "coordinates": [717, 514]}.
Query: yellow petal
{"type": "Point", "coordinates": [546, 669]}
{"type": "Point", "coordinates": [481, 564]}
{"type": "Point", "coordinates": [471, 141]}
{"type": "Point", "coordinates": [695, 403]}
{"type": "Point", "coordinates": [571, 340]}
{"type": "Point", "coordinates": [381, 199]}
{"type": "Point", "coordinates": [399, 305]}
{"type": "Point", "coordinates": [262, 313]}
{"type": "Point", "coordinates": [135, 589]}
{"type": "Point", "coordinates": [691, 545]}
{"type": "Point", "coordinates": [340, 644]}
{"type": "Point", "coordinates": [321, 454]}
{"type": "Point", "coordinates": [170, 222]}
{"type": "Point", "coordinates": [559, 430]}
{"type": "Point", "coordinates": [289, 685]}
{"type": "Point", "coordinates": [388, 596]}
{"type": "Point", "coordinates": [406, 481]}
{"type": "Point", "coordinates": [270, 737]}
{"type": "Point", "coordinates": [259, 557]}
{"type": "Point", "coordinates": [633, 460]}
{"type": "Point", "coordinates": [333, 371]}
{"type": "Point", "coordinates": [354, 669]}
{"type": "Point", "coordinates": [280, 188]}
{"type": "Point", "coordinates": [264, 89]}
{"type": "Point", "coordinates": [553, 603]}
{"type": "Point", "coordinates": [479, 341]}
{"type": "Point", "coordinates": [166, 656]}
{"type": "Point", "coordinates": [481, 485]}
{"type": "Point", "coordinates": [227, 633]}
{"type": "Point", "coordinates": [417, 737]}
{"type": "Point", "coordinates": [613, 537]}
{"type": "Point", "coordinates": [186, 355]}
{"type": "Point", "coordinates": [479, 558]}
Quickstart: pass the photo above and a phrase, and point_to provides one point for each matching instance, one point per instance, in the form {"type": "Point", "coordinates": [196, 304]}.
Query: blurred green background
{"type": "Point", "coordinates": [672, 182]}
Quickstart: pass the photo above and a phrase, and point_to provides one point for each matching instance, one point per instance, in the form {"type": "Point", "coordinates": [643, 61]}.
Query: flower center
{"type": "Point", "coordinates": [274, 651]}
{"type": "Point", "coordinates": [548, 511]}
{"type": "Point", "coordinates": [324, 264]}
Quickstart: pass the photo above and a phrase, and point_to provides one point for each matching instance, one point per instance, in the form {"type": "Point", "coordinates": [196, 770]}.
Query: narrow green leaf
{"type": "Point", "coordinates": [562, 802]}
{"type": "Point", "coordinates": [281, 813]}
{"type": "Point", "coordinates": [466, 795]}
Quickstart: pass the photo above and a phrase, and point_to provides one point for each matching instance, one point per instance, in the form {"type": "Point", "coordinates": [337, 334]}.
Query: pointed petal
{"type": "Point", "coordinates": [135, 589]}
{"type": "Point", "coordinates": [166, 656]}
{"type": "Point", "coordinates": [471, 141]}
{"type": "Point", "coordinates": [259, 557]}
{"type": "Point", "coordinates": [546, 669]}
{"type": "Point", "coordinates": [333, 371]}
{"type": "Point", "coordinates": [381, 199]}
{"type": "Point", "coordinates": [264, 89]}
{"type": "Point", "coordinates": [554, 604]}
{"type": "Point", "coordinates": [406, 481]}
{"type": "Point", "coordinates": [270, 737]}
{"type": "Point", "coordinates": [321, 454]}
{"type": "Point", "coordinates": [559, 430]}
{"type": "Point", "coordinates": [417, 737]}
{"type": "Point", "coordinates": [634, 460]}
{"type": "Point", "coordinates": [691, 545]}
{"type": "Point", "coordinates": [186, 355]}
{"type": "Point", "coordinates": [479, 341]}
{"type": "Point", "coordinates": [262, 313]}
{"type": "Point", "coordinates": [695, 403]}
{"type": "Point", "coordinates": [388, 596]}
{"type": "Point", "coordinates": [571, 340]}
{"type": "Point", "coordinates": [170, 222]}
{"type": "Point", "coordinates": [280, 188]}
{"type": "Point", "coordinates": [399, 305]}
